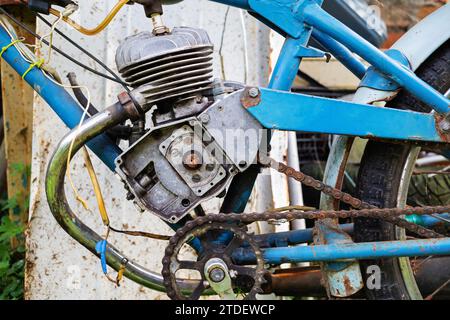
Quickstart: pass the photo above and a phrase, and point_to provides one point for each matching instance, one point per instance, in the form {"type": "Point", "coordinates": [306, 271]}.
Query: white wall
{"type": "Point", "coordinates": [58, 267]}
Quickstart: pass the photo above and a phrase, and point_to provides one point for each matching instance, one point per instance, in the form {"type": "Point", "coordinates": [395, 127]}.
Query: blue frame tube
{"type": "Point", "coordinates": [67, 109]}
{"type": "Point", "coordinates": [340, 52]}
{"type": "Point", "coordinates": [358, 251]}
{"type": "Point", "coordinates": [316, 17]}
{"type": "Point", "coordinates": [284, 239]}
{"type": "Point", "coordinates": [299, 112]}
{"type": "Point", "coordinates": [288, 63]}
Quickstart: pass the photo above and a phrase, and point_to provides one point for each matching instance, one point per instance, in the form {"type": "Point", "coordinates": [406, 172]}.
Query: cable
{"type": "Point", "coordinates": [81, 98]}
{"type": "Point", "coordinates": [76, 45]}
{"type": "Point", "coordinates": [50, 35]}
{"type": "Point", "coordinates": [244, 36]}
{"type": "Point", "coordinates": [142, 234]}
{"type": "Point", "coordinates": [20, 24]}
{"type": "Point", "coordinates": [90, 55]}
{"type": "Point", "coordinates": [100, 27]}
{"type": "Point", "coordinates": [222, 64]}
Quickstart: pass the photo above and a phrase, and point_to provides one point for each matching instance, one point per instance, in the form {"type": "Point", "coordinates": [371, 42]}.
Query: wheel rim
{"type": "Point", "coordinates": [404, 262]}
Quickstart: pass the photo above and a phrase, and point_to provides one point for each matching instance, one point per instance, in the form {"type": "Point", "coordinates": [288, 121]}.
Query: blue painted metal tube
{"type": "Point", "coordinates": [299, 112]}
{"type": "Point", "coordinates": [427, 221]}
{"type": "Point", "coordinates": [318, 18]}
{"type": "Point", "coordinates": [358, 251]}
{"type": "Point", "coordinates": [294, 237]}
{"type": "Point", "coordinates": [288, 63]}
{"type": "Point", "coordinates": [243, 4]}
{"type": "Point", "coordinates": [340, 52]}
{"type": "Point", "coordinates": [59, 100]}
{"type": "Point", "coordinates": [284, 239]}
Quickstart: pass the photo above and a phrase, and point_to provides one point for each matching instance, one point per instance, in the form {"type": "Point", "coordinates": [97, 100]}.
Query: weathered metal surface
{"type": "Point", "coordinates": [300, 282]}
{"type": "Point", "coordinates": [57, 200]}
{"type": "Point", "coordinates": [235, 130]}
{"type": "Point", "coordinates": [343, 279]}
{"type": "Point", "coordinates": [430, 273]}
{"type": "Point", "coordinates": [248, 100]}
{"type": "Point", "coordinates": [311, 114]}
{"type": "Point", "coordinates": [333, 279]}
{"type": "Point", "coordinates": [169, 66]}
{"type": "Point", "coordinates": [171, 262]}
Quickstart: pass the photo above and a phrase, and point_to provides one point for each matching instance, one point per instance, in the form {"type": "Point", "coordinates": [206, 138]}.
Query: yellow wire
{"type": "Point", "coordinates": [96, 186]}
{"type": "Point", "coordinates": [120, 274]}
{"type": "Point", "coordinates": [87, 159]}
{"type": "Point", "coordinates": [100, 27]}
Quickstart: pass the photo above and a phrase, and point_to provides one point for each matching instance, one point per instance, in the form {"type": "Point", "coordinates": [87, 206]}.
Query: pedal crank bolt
{"type": "Point", "coordinates": [217, 274]}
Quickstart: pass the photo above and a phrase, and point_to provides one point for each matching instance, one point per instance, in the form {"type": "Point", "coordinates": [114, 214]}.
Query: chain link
{"type": "Point", "coordinates": [357, 203]}
{"type": "Point", "coordinates": [361, 210]}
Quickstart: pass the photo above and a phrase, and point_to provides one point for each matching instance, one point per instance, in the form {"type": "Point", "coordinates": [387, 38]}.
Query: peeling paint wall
{"type": "Point", "coordinates": [59, 268]}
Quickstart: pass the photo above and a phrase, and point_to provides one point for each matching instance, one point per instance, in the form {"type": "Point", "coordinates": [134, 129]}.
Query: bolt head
{"type": "Point", "coordinates": [253, 92]}
{"type": "Point", "coordinates": [217, 274]}
{"type": "Point", "coordinates": [444, 125]}
{"type": "Point", "coordinates": [192, 160]}
{"type": "Point", "coordinates": [204, 118]}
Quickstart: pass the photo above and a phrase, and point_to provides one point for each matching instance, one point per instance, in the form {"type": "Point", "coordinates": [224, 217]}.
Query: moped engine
{"type": "Point", "coordinates": [185, 157]}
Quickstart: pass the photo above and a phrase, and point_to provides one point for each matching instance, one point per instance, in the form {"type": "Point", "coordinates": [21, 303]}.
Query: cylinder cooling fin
{"type": "Point", "coordinates": [166, 67]}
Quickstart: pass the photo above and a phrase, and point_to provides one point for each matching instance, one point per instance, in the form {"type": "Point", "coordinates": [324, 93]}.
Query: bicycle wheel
{"type": "Point", "coordinates": [386, 179]}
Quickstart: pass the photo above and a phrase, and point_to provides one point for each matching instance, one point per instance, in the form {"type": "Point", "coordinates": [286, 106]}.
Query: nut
{"type": "Point", "coordinates": [253, 92]}
{"type": "Point", "coordinates": [217, 274]}
{"type": "Point", "coordinates": [444, 125]}
{"type": "Point", "coordinates": [204, 118]}
{"type": "Point", "coordinates": [192, 160]}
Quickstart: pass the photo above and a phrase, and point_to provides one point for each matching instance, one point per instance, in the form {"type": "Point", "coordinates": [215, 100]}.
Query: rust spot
{"type": "Point", "coordinates": [192, 160]}
{"type": "Point", "coordinates": [247, 101]}
{"type": "Point", "coordinates": [348, 287]}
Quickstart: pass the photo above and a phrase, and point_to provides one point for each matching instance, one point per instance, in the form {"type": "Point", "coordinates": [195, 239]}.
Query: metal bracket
{"type": "Point", "coordinates": [310, 52]}
{"type": "Point", "coordinates": [217, 273]}
{"type": "Point", "coordinates": [374, 79]}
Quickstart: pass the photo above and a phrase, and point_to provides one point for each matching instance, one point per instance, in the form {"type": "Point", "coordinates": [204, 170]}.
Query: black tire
{"type": "Point", "coordinates": [429, 190]}
{"type": "Point", "coordinates": [379, 179]}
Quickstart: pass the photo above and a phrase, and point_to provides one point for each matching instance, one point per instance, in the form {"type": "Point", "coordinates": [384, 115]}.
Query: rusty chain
{"type": "Point", "coordinates": [357, 203]}
{"type": "Point", "coordinates": [361, 210]}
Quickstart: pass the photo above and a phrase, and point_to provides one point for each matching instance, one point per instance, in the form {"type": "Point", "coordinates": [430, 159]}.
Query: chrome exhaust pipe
{"type": "Point", "coordinates": [59, 206]}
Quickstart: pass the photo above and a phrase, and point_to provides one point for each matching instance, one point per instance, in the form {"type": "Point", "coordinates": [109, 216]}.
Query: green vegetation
{"type": "Point", "coordinates": [12, 260]}
{"type": "Point", "coordinates": [12, 241]}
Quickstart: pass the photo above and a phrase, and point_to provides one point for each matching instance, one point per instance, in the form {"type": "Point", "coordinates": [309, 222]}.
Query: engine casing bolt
{"type": "Point", "coordinates": [204, 118]}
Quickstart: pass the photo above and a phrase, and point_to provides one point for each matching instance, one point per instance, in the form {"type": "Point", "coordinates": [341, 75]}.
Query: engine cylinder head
{"type": "Point", "coordinates": [167, 67]}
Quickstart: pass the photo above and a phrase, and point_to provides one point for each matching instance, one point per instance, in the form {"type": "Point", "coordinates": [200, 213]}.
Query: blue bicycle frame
{"type": "Point", "coordinates": [298, 21]}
